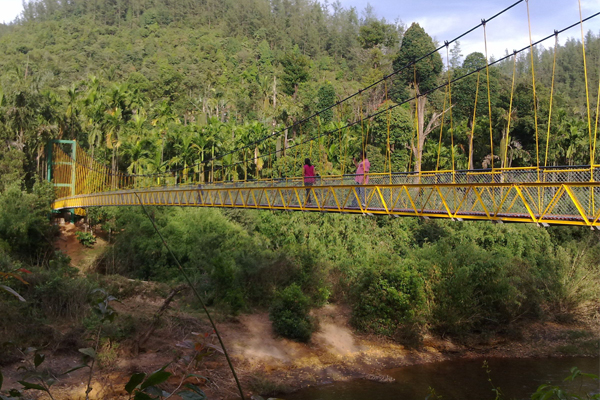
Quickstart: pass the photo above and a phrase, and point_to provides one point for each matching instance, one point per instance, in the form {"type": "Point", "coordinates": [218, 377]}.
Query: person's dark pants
{"type": "Point", "coordinates": [360, 192]}
{"type": "Point", "coordinates": [308, 197]}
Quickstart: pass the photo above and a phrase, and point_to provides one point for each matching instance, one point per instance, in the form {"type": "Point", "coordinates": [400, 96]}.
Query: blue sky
{"type": "Point", "coordinates": [446, 19]}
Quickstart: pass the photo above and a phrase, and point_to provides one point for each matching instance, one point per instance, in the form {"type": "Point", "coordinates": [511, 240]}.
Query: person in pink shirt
{"type": "Point", "coordinates": [361, 177]}
{"type": "Point", "coordinates": [308, 172]}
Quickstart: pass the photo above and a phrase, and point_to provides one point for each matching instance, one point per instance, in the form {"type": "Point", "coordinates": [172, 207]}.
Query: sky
{"type": "Point", "coordinates": [10, 9]}
{"type": "Point", "coordinates": [446, 19]}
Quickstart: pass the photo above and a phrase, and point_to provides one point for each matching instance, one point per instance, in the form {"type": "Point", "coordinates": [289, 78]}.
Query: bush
{"type": "Point", "coordinates": [476, 290]}
{"type": "Point", "coordinates": [51, 294]}
{"type": "Point", "coordinates": [56, 295]}
{"type": "Point", "coordinates": [232, 266]}
{"type": "Point", "coordinates": [85, 238]}
{"type": "Point", "coordinates": [388, 298]}
{"type": "Point", "coordinates": [25, 229]}
{"type": "Point", "coordinates": [289, 314]}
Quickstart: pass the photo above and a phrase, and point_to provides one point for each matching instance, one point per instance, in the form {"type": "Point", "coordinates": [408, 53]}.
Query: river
{"type": "Point", "coordinates": [517, 378]}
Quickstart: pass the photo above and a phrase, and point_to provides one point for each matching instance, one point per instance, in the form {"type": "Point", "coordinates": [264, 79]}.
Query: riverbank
{"type": "Point", "coordinates": [268, 365]}
{"type": "Point", "coordinates": [151, 332]}
{"type": "Point", "coordinates": [338, 353]}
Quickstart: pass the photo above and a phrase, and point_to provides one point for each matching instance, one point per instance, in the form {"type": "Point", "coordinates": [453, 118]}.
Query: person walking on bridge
{"type": "Point", "coordinates": [309, 178]}
{"type": "Point", "coordinates": [362, 177]}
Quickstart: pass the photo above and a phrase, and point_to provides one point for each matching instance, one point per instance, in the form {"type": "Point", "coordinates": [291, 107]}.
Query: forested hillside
{"type": "Point", "coordinates": [164, 85]}
{"type": "Point", "coordinates": [148, 86]}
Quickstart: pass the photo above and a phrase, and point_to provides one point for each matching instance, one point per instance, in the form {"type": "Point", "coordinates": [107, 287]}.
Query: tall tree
{"type": "Point", "coordinates": [377, 33]}
{"type": "Point", "coordinates": [470, 99]}
{"type": "Point", "coordinates": [295, 70]}
{"type": "Point", "coordinates": [326, 97]}
{"type": "Point", "coordinates": [421, 77]}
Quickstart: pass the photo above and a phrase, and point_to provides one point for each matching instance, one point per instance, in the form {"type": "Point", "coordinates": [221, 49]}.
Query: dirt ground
{"type": "Point", "coordinates": [81, 257]}
{"type": "Point", "coordinates": [267, 364]}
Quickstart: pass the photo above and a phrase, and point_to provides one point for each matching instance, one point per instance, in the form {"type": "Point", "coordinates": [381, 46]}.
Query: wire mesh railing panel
{"type": "Point", "coordinates": [583, 199]}
{"type": "Point", "coordinates": [563, 205]}
{"type": "Point", "coordinates": [560, 203]}
{"type": "Point", "coordinates": [527, 194]}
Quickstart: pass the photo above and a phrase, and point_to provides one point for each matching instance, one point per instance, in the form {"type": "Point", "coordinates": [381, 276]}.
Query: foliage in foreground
{"type": "Point", "coordinates": [556, 392]}
{"type": "Point", "coordinates": [141, 386]}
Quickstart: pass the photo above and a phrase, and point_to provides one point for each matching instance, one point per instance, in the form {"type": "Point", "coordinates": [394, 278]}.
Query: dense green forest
{"type": "Point", "coordinates": [153, 86]}
{"type": "Point", "coordinates": [148, 86]}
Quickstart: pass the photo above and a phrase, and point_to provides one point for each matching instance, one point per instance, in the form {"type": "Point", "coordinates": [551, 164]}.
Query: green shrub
{"type": "Point", "coordinates": [388, 298]}
{"type": "Point", "coordinates": [289, 314]}
{"type": "Point", "coordinates": [259, 383]}
{"type": "Point", "coordinates": [550, 392]}
{"type": "Point", "coordinates": [108, 354]}
{"type": "Point", "coordinates": [25, 229]}
{"type": "Point", "coordinates": [85, 238]}
{"type": "Point", "coordinates": [56, 295]}
{"type": "Point", "coordinates": [230, 265]}
{"type": "Point", "coordinates": [122, 328]}
{"type": "Point", "coordinates": [476, 290]}
{"type": "Point", "coordinates": [19, 329]}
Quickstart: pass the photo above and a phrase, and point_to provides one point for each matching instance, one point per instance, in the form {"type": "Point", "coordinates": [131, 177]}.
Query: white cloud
{"type": "Point", "coordinates": [445, 20]}
{"type": "Point", "coordinates": [10, 10]}
{"type": "Point", "coordinates": [589, 5]}
{"type": "Point", "coordinates": [437, 26]}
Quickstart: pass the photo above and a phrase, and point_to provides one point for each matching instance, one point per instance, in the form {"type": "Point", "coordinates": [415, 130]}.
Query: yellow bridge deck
{"type": "Point", "coordinates": [550, 196]}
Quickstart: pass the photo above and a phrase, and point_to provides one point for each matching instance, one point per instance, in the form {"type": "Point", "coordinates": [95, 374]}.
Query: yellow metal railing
{"type": "Point", "coordinates": [563, 203]}
{"type": "Point", "coordinates": [536, 195]}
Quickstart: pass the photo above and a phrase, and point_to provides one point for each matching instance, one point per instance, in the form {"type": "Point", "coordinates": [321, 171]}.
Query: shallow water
{"type": "Point", "coordinates": [462, 379]}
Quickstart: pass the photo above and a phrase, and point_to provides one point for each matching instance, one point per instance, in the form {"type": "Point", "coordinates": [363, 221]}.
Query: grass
{"type": "Point", "coordinates": [583, 348]}
{"type": "Point", "coordinates": [264, 386]}
{"type": "Point", "coordinates": [578, 334]}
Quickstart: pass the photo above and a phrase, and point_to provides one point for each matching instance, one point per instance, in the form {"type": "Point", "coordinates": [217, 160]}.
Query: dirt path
{"type": "Point", "coordinates": [82, 257]}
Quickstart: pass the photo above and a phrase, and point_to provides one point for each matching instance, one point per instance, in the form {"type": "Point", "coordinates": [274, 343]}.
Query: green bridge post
{"type": "Point", "coordinates": [72, 163]}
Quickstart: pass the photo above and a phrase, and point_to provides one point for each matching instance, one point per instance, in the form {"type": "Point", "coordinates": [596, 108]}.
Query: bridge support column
{"type": "Point", "coordinates": [53, 160]}
{"type": "Point", "coordinates": [72, 162]}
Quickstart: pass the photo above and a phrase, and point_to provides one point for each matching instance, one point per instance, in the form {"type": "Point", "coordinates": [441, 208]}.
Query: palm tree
{"type": "Point", "coordinates": [258, 131]}
{"type": "Point", "coordinates": [575, 141]}
{"type": "Point", "coordinates": [138, 121]}
{"type": "Point", "coordinates": [135, 145]}
{"type": "Point", "coordinates": [164, 117]}
{"type": "Point", "coordinates": [72, 111]}
{"type": "Point", "coordinates": [184, 154]}
{"type": "Point", "coordinates": [137, 150]}
{"type": "Point", "coordinates": [156, 168]}
{"type": "Point", "coordinates": [505, 141]}
{"type": "Point", "coordinates": [227, 173]}
{"type": "Point", "coordinates": [114, 119]}
{"type": "Point", "coordinates": [136, 100]}
{"type": "Point", "coordinates": [215, 129]}
{"type": "Point", "coordinates": [243, 139]}
{"type": "Point", "coordinates": [94, 112]}
{"type": "Point", "coordinates": [200, 144]}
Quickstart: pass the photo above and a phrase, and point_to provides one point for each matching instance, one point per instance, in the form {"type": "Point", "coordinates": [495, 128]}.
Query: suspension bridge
{"type": "Point", "coordinates": [541, 194]}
